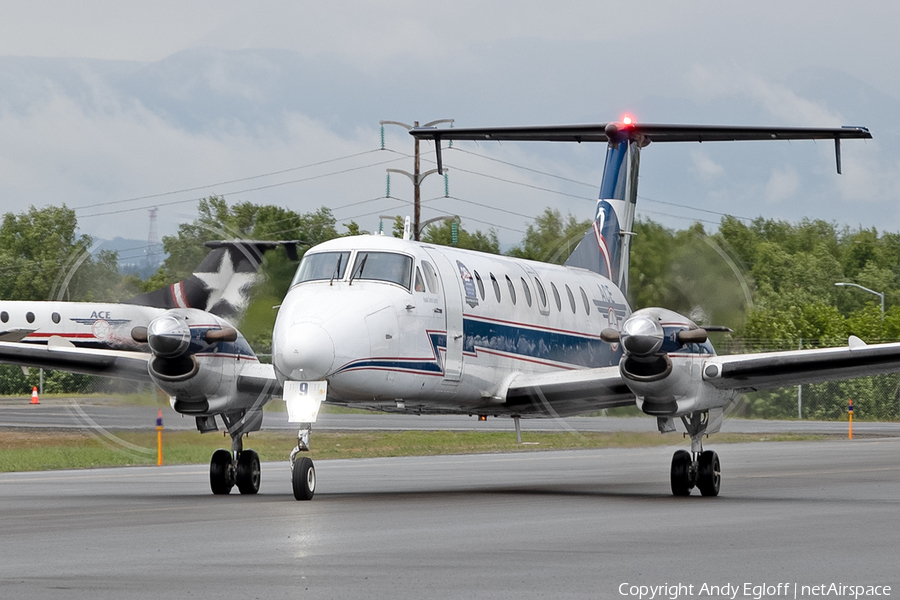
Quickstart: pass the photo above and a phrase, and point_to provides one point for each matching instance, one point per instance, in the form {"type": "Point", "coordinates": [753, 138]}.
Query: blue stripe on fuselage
{"type": "Point", "coordinates": [524, 342]}
{"type": "Point", "coordinates": [530, 343]}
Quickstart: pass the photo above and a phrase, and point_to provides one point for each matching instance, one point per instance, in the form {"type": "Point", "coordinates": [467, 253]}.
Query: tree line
{"type": "Point", "coordinates": [771, 281]}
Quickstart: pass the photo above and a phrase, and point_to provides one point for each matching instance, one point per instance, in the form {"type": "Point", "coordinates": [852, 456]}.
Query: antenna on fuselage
{"type": "Point", "coordinates": [407, 229]}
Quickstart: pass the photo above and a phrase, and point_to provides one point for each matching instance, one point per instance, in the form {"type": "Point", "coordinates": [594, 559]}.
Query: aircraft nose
{"type": "Point", "coordinates": [305, 352]}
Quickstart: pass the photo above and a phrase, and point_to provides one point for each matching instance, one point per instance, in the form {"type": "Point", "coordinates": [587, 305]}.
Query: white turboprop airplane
{"type": "Point", "coordinates": [389, 324]}
{"type": "Point", "coordinates": [397, 325]}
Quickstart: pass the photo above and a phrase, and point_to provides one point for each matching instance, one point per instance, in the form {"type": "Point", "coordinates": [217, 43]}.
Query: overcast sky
{"type": "Point", "coordinates": [194, 94]}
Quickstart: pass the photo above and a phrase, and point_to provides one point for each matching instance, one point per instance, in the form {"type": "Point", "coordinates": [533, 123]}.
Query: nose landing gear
{"type": "Point", "coordinates": [303, 472]}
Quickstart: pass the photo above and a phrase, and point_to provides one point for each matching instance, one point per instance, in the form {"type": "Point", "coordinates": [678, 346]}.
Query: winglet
{"type": "Point", "coordinates": [855, 343]}
{"type": "Point", "coordinates": [837, 153]}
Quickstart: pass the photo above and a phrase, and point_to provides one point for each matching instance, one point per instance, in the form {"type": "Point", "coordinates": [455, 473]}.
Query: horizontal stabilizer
{"type": "Point", "coordinates": [644, 133]}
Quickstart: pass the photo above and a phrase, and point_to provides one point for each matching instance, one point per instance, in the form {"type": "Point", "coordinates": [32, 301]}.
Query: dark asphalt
{"type": "Point", "coordinates": [574, 524]}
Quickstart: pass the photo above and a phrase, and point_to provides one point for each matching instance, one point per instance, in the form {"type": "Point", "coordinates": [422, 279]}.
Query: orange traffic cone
{"type": "Point", "coordinates": [34, 396]}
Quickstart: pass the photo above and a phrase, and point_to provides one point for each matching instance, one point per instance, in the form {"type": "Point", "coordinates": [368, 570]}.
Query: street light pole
{"type": "Point", "coordinates": [416, 176]}
{"type": "Point", "coordinates": [865, 289]}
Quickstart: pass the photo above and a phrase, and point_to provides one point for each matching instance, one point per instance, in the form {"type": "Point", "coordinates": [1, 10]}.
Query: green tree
{"type": "Point", "coordinates": [43, 257]}
{"type": "Point", "coordinates": [442, 233]}
{"type": "Point", "coordinates": [689, 272]}
{"type": "Point", "coordinates": [551, 238]}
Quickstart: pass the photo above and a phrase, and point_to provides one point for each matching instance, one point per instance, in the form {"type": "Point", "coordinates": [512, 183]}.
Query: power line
{"type": "Point", "coordinates": [524, 168]}
{"type": "Point", "coordinates": [712, 212]}
{"type": "Point", "coordinates": [654, 212]}
{"type": "Point", "coordinates": [247, 190]}
{"type": "Point", "coordinates": [200, 187]}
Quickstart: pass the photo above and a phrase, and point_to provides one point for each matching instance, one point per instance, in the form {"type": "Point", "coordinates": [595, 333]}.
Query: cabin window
{"type": "Point", "coordinates": [55, 316]}
{"type": "Point", "coordinates": [556, 296]}
{"type": "Point", "coordinates": [420, 284]}
{"type": "Point", "coordinates": [480, 284]}
{"type": "Point", "coordinates": [4, 316]}
{"type": "Point", "coordinates": [587, 305]}
{"type": "Point", "coordinates": [382, 266]}
{"type": "Point", "coordinates": [527, 291]}
{"type": "Point", "coordinates": [496, 287]}
{"type": "Point", "coordinates": [512, 289]}
{"type": "Point", "coordinates": [542, 295]}
{"type": "Point", "coordinates": [571, 298]}
{"type": "Point", "coordinates": [322, 265]}
{"type": "Point", "coordinates": [29, 316]}
{"type": "Point", "coordinates": [430, 277]}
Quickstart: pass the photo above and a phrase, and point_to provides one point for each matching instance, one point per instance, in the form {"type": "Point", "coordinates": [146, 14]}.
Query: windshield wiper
{"type": "Point", "coordinates": [337, 269]}
{"type": "Point", "coordinates": [359, 268]}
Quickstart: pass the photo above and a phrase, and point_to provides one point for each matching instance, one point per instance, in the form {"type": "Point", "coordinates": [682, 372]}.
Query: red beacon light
{"type": "Point", "coordinates": [613, 129]}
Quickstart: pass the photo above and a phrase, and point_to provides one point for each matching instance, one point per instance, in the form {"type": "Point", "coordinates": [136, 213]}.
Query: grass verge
{"type": "Point", "coordinates": [36, 451]}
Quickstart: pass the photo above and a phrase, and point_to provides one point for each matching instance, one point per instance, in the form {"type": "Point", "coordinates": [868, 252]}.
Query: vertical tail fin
{"type": "Point", "coordinates": [605, 248]}
{"type": "Point", "coordinates": [221, 284]}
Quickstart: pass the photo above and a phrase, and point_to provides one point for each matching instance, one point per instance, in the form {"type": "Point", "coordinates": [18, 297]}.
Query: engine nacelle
{"type": "Point", "coordinates": [662, 363]}
{"type": "Point", "coordinates": [197, 358]}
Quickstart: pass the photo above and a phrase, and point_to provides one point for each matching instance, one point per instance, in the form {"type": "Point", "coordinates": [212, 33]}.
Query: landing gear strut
{"type": "Point", "coordinates": [239, 466]}
{"type": "Point", "coordinates": [303, 472]}
{"type": "Point", "coordinates": [698, 467]}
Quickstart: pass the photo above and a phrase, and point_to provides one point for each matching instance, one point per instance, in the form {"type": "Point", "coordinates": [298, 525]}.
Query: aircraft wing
{"type": "Point", "coordinates": [568, 392]}
{"type": "Point", "coordinates": [259, 379]}
{"type": "Point", "coordinates": [108, 363]}
{"type": "Point", "coordinates": [769, 370]}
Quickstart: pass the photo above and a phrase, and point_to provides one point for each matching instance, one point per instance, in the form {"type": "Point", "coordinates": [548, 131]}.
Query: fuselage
{"type": "Point", "coordinates": [85, 324]}
{"type": "Point", "coordinates": [437, 329]}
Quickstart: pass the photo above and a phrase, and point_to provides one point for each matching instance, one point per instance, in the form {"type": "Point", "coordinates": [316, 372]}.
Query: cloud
{"type": "Point", "coordinates": [704, 166]}
{"type": "Point", "coordinates": [61, 151]}
{"type": "Point", "coordinates": [782, 185]}
{"type": "Point", "coordinates": [708, 84]}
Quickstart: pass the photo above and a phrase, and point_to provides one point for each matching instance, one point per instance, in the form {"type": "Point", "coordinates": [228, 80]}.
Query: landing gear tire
{"type": "Point", "coordinates": [221, 472]}
{"type": "Point", "coordinates": [681, 473]}
{"type": "Point", "coordinates": [247, 472]}
{"type": "Point", "coordinates": [303, 478]}
{"type": "Point", "coordinates": [708, 473]}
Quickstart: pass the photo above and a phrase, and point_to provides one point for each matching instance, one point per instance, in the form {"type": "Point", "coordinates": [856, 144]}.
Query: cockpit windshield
{"type": "Point", "coordinates": [322, 265]}
{"type": "Point", "coordinates": [383, 266]}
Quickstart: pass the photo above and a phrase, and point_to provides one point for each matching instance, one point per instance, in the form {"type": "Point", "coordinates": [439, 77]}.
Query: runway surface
{"type": "Point", "coordinates": [62, 413]}
{"type": "Point", "coordinates": [574, 524]}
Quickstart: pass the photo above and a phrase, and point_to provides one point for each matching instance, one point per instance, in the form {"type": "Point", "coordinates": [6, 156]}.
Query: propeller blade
{"type": "Point", "coordinates": [610, 336]}
{"type": "Point", "coordinates": [692, 336]}
{"type": "Point", "coordinates": [227, 334]}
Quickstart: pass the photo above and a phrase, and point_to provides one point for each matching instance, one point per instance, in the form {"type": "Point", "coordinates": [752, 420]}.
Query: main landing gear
{"type": "Point", "coordinates": [303, 472]}
{"type": "Point", "coordinates": [238, 467]}
{"type": "Point", "coordinates": [698, 467]}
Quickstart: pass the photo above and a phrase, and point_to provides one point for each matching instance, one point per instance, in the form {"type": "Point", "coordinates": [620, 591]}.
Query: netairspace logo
{"type": "Point", "coordinates": [756, 591]}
